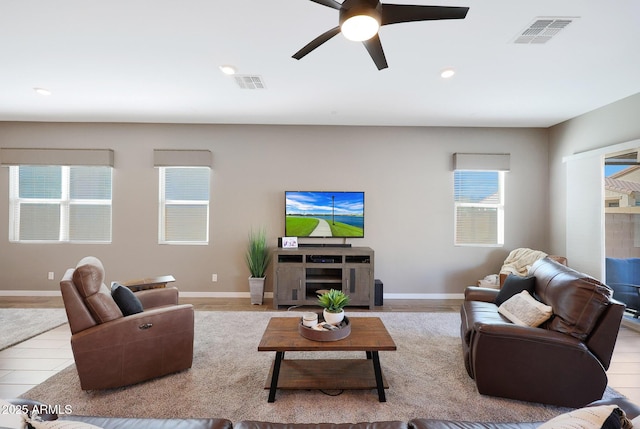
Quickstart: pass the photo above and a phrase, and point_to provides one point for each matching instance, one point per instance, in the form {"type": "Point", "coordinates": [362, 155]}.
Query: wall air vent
{"type": "Point", "coordinates": [542, 29]}
{"type": "Point", "coordinates": [250, 82]}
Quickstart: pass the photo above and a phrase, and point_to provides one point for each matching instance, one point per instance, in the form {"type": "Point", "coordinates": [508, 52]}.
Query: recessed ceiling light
{"type": "Point", "coordinates": [447, 73]}
{"type": "Point", "coordinates": [226, 69]}
{"type": "Point", "coordinates": [42, 91]}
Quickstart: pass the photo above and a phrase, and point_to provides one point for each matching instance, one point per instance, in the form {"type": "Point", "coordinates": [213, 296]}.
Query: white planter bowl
{"type": "Point", "coordinates": [333, 318]}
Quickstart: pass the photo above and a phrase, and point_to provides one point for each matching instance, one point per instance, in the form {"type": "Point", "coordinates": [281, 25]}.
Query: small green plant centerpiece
{"type": "Point", "coordinates": [333, 303]}
{"type": "Point", "coordinates": [258, 258]}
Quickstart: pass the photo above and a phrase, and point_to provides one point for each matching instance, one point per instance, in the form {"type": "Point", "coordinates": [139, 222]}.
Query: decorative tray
{"type": "Point", "coordinates": [343, 330]}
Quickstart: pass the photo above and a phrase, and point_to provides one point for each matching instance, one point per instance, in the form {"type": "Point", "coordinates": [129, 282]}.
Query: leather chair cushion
{"type": "Point", "coordinates": [88, 276]}
{"type": "Point", "coordinates": [88, 279]}
{"type": "Point", "coordinates": [126, 300]}
{"type": "Point", "coordinates": [513, 285]}
{"type": "Point", "coordinates": [473, 312]}
{"type": "Point", "coordinates": [577, 299]}
{"type": "Point", "coordinates": [102, 306]}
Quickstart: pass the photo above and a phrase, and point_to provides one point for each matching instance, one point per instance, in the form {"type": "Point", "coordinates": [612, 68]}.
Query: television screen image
{"type": "Point", "coordinates": [324, 214]}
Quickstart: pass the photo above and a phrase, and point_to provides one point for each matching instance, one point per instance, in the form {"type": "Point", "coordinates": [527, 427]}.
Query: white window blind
{"type": "Point", "coordinates": [184, 205]}
{"type": "Point", "coordinates": [51, 203]}
{"type": "Point", "coordinates": [479, 207]}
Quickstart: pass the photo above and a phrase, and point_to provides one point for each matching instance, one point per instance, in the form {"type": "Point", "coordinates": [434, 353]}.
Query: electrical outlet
{"type": "Point", "coordinates": [50, 276]}
{"type": "Point", "coordinates": [214, 277]}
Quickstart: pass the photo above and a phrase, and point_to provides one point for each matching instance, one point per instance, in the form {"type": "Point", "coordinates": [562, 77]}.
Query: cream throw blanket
{"type": "Point", "coordinates": [520, 260]}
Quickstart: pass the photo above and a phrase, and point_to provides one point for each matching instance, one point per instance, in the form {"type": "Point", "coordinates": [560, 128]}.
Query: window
{"type": "Point", "coordinates": [60, 204]}
{"type": "Point", "coordinates": [184, 205]}
{"type": "Point", "coordinates": [479, 207]}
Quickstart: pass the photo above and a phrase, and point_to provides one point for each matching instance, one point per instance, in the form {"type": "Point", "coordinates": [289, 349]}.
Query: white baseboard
{"type": "Point", "coordinates": [423, 296]}
{"type": "Point", "coordinates": [221, 294]}
{"type": "Point", "coordinates": [243, 294]}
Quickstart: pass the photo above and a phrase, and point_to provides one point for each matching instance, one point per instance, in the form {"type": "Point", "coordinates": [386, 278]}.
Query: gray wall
{"type": "Point", "coordinates": [575, 151]}
{"type": "Point", "coordinates": [405, 172]}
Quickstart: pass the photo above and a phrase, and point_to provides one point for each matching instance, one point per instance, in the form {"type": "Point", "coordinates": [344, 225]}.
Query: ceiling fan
{"type": "Point", "coordinates": [360, 20]}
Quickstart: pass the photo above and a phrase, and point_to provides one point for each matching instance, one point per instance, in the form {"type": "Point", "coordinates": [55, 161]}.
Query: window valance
{"type": "Point", "coordinates": [32, 156]}
{"type": "Point", "coordinates": [482, 161]}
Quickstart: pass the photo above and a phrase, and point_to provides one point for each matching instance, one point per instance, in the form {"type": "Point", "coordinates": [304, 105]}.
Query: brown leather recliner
{"type": "Point", "coordinates": [562, 362]}
{"type": "Point", "coordinates": [112, 350]}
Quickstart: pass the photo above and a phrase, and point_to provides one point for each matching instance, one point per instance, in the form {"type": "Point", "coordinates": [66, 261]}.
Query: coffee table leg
{"type": "Point", "coordinates": [275, 375]}
{"type": "Point", "coordinates": [378, 372]}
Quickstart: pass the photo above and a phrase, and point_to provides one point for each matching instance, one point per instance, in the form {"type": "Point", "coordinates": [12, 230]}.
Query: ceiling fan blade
{"type": "Point", "coordinates": [396, 13]}
{"type": "Point", "coordinates": [374, 47]}
{"type": "Point", "coordinates": [329, 3]}
{"type": "Point", "coordinates": [316, 42]}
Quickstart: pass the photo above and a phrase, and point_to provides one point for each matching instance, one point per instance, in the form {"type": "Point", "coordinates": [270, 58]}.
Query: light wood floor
{"type": "Point", "coordinates": [33, 361]}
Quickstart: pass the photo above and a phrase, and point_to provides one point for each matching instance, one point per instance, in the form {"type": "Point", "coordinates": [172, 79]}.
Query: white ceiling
{"type": "Point", "coordinates": [157, 61]}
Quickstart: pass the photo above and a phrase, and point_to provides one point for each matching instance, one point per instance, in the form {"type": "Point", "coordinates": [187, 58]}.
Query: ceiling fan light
{"type": "Point", "coordinates": [360, 27]}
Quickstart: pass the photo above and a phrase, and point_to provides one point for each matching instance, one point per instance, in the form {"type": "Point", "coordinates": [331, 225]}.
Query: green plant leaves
{"type": "Point", "coordinates": [334, 300]}
{"type": "Point", "coordinates": [258, 255]}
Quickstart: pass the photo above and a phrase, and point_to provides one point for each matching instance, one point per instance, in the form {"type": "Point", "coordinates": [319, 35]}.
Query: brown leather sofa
{"type": "Point", "coordinates": [113, 350]}
{"type": "Point", "coordinates": [631, 410]}
{"type": "Point", "coordinates": [561, 362]}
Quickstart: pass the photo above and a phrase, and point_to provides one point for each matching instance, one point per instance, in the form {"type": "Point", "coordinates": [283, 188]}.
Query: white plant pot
{"type": "Point", "coordinates": [333, 318]}
{"type": "Point", "coordinates": [256, 288]}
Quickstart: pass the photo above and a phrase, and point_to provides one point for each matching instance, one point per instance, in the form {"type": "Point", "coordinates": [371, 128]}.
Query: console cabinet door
{"type": "Point", "coordinates": [358, 283]}
{"type": "Point", "coordinates": [289, 284]}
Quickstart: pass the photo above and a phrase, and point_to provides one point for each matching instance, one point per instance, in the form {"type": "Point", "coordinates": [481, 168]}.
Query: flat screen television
{"type": "Point", "coordinates": [324, 214]}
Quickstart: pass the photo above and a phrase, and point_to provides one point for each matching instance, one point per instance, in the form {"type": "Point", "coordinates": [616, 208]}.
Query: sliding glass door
{"type": "Point", "coordinates": [622, 205]}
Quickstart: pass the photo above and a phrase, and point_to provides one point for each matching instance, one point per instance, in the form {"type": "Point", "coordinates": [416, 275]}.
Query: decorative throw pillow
{"type": "Point", "coordinates": [126, 300]}
{"type": "Point", "coordinates": [12, 416]}
{"type": "Point", "coordinates": [524, 310]}
{"type": "Point", "coordinates": [596, 417]}
{"type": "Point", "coordinates": [513, 285]}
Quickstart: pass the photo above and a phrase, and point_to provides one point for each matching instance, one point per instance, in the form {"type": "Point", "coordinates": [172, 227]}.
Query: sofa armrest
{"type": "Point", "coordinates": [150, 323]}
{"type": "Point", "coordinates": [151, 298]}
{"type": "Point", "coordinates": [536, 365]}
{"type": "Point", "coordinates": [477, 293]}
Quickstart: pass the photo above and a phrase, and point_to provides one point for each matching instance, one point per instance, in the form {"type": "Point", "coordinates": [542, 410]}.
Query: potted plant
{"type": "Point", "coordinates": [258, 258]}
{"type": "Point", "coordinates": [333, 303]}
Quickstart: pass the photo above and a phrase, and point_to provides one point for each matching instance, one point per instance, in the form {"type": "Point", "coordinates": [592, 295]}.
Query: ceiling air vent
{"type": "Point", "coordinates": [542, 29]}
{"type": "Point", "coordinates": [249, 82]}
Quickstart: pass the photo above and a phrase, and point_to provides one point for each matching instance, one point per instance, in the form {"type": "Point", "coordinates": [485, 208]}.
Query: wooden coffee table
{"type": "Point", "coordinates": [368, 334]}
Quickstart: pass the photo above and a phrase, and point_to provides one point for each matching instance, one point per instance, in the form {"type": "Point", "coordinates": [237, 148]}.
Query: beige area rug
{"type": "Point", "coordinates": [426, 377]}
{"type": "Point", "coordinates": [20, 324]}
